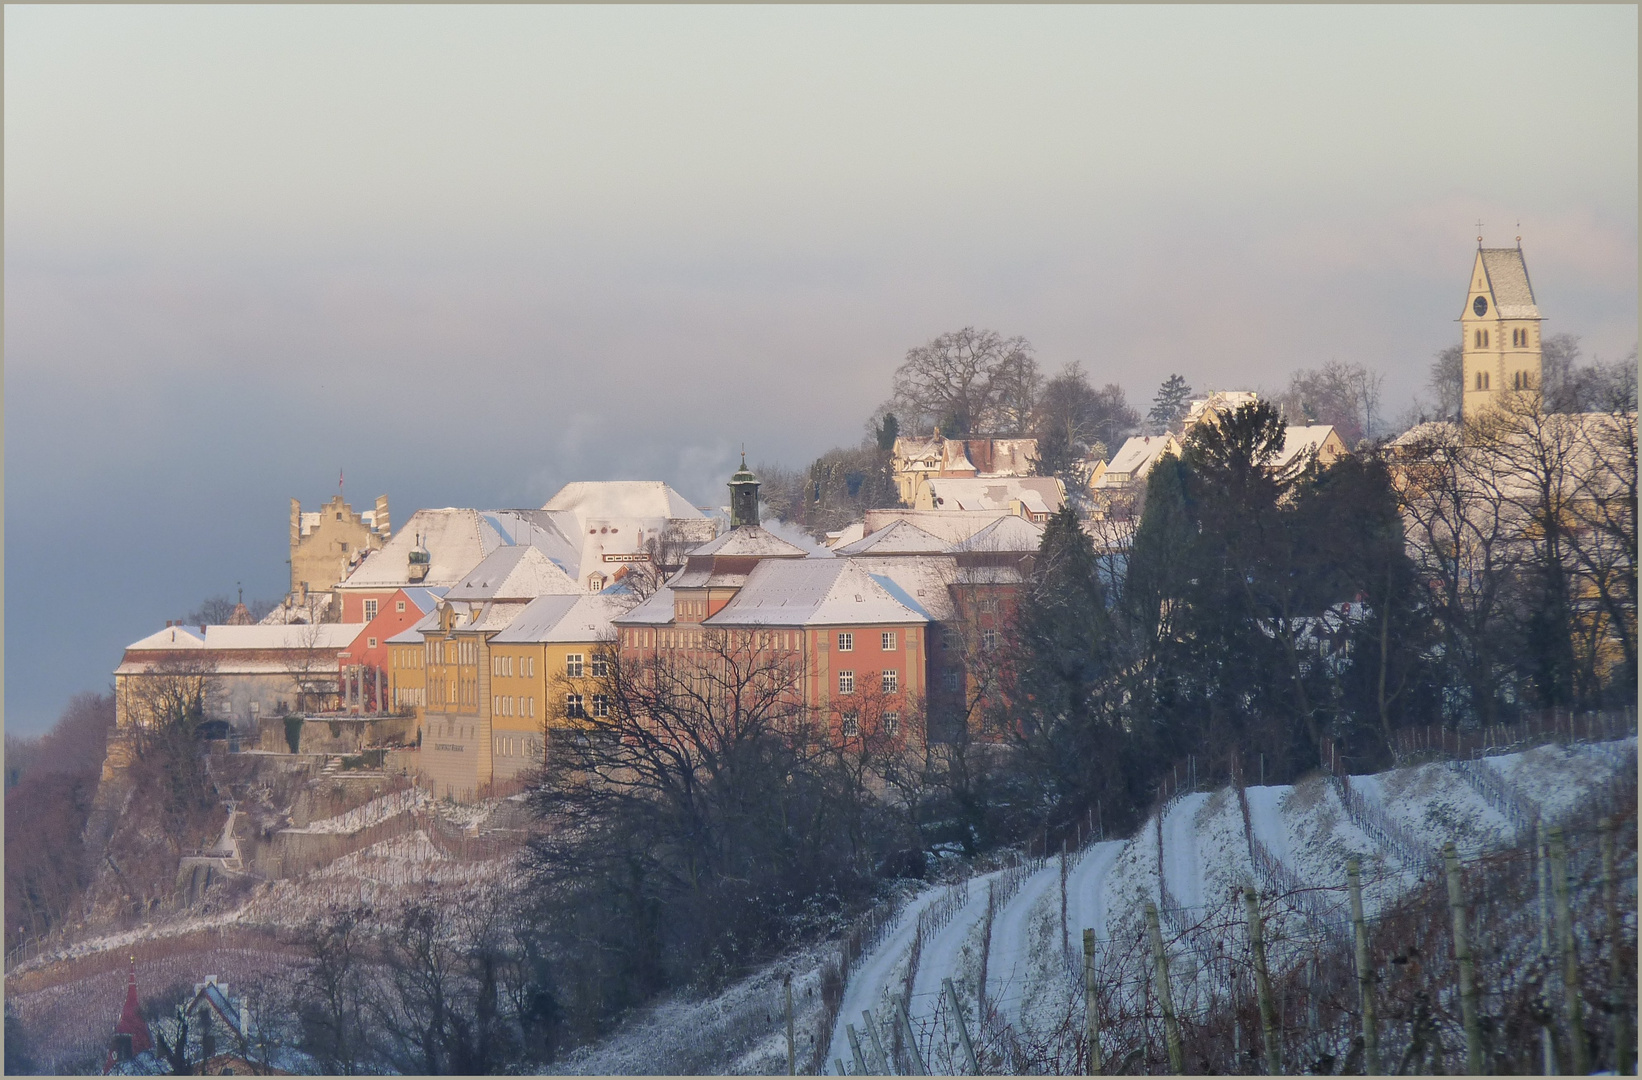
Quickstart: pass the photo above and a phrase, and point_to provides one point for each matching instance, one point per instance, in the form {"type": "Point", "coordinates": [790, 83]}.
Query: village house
{"type": "Point", "coordinates": [914, 460]}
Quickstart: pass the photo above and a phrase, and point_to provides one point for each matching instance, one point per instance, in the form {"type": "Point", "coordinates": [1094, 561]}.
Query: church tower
{"type": "Point", "coordinates": [743, 496]}
{"type": "Point", "coordinates": [1501, 328]}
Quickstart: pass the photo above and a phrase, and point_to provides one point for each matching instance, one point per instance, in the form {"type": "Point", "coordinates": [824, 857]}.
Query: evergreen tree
{"type": "Point", "coordinates": [1169, 407]}
{"type": "Point", "coordinates": [1067, 670]}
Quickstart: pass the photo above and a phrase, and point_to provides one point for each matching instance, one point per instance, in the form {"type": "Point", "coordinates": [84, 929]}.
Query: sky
{"type": "Point", "coordinates": [465, 254]}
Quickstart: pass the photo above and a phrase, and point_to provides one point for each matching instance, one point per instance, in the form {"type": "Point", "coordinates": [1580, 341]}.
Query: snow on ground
{"type": "Point", "coordinates": [881, 972]}
{"type": "Point", "coordinates": [370, 813]}
{"type": "Point", "coordinates": [953, 952]}
{"type": "Point", "coordinates": [1182, 869]}
{"type": "Point", "coordinates": [1555, 777]}
{"type": "Point", "coordinates": [1026, 928]}
{"type": "Point", "coordinates": [741, 1031]}
{"type": "Point", "coordinates": [1434, 802]}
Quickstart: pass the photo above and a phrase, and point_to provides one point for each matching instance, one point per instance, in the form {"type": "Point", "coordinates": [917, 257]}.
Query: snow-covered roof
{"type": "Point", "coordinates": [425, 598]}
{"type": "Point", "coordinates": [1007, 534]}
{"type": "Point", "coordinates": [924, 580]}
{"type": "Point", "coordinates": [622, 499]}
{"type": "Point", "coordinates": [1508, 280]}
{"type": "Point", "coordinates": [256, 636]}
{"type": "Point", "coordinates": [456, 538]}
{"type": "Point", "coordinates": [565, 619]}
{"type": "Point", "coordinates": [818, 592]}
{"type": "Point", "coordinates": [1218, 401]}
{"type": "Point", "coordinates": [901, 538]}
{"type": "Point", "coordinates": [994, 493]}
{"type": "Point", "coordinates": [849, 534]}
{"type": "Point", "coordinates": [512, 573]}
{"type": "Point", "coordinates": [950, 525]}
{"type": "Point", "coordinates": [658, 610]}
{"type": "Point", "coordinates": [750, 540]}
{"type": "Point", "coordinates": [1300, 439]}
{"type": "Point", "coordinates": [1136, 457]}
{"type": "Point", "coordinates": [494, 617]}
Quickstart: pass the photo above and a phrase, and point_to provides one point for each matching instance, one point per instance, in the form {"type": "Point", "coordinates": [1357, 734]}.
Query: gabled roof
{"type": "Point", "coordinates": [750, 540]}
{"type": "Point", "coordinates": [565, 619]}
{"type": "Point", "coordinates": [817, 592]}
{"type": "Point", "coordinates": [512, 573]}
{"type": "Point", "coordinates": [658, 610]}
{"type": "Point", "coordinates": [622, 499]}
{"type": "Point", "coordinates": [456, 538]}
{"type": "Point", "coordinates": [1300, 439]}
{"type": "Point", "coordinates": [901, 538]}
{"type": "Point", "coordinates": [925, 581]}
{"type": "Point", "coordinates": [1138, 454]}
{"type": "Point", "coordinates": [1507, 277]}
{"type": "Point", "coordinates": [1007, 534]}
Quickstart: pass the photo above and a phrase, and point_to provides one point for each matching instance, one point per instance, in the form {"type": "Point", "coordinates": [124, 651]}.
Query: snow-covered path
{"type": "Point", "coordinates": [1182, 868]}
{"type": "Point", "coordinates": [875, 970]}
{"type": "Point", "coordinates": [1266, 818]}
{"type": "Point", "coordinates": [1086, 888]}
{"type": "Point", "coordinates": [1009, 963]}
{"type": "Point", "coordinates": [942, 955]}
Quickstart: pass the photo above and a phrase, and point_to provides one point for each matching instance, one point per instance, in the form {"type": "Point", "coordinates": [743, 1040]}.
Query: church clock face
{"type": "Point", "coordinates": [1480, 305]}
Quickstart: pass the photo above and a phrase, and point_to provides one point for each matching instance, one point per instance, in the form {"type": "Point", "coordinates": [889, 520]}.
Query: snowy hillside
{"type": "Point", "coordinates": [1032, 960]}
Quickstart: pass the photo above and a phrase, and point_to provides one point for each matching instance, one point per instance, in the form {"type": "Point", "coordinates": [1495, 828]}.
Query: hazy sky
{"type": "Point", "coordinates": [469, 254]}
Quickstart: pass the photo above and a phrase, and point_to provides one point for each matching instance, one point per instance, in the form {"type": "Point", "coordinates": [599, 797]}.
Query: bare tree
{"type": "Point", "coordinates": [1446, 381]}
{"type": "Point", "coordinates": [968, 381]}
{"type": "Point", "coordinates": [1345, 395]}
{"type": "Point", "coordinates": [1603, 539]}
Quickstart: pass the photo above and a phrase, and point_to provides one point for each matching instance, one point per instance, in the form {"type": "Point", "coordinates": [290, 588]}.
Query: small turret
{"type": "Point", "coordinates": [743, 496]}
{"type": "Point", "coordinates": [419, 561]}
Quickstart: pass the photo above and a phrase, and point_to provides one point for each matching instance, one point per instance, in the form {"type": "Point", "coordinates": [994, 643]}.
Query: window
{"type": "Point", "coordinates": [846, 642]}
{"type": "Point", "coordinates": [892, 723]}
{"type": "Point", "coordinates": [530, 706]}
{"type": "Point", "coordinates": [846, 682]}
{"type": "Point", "coordinates": [400, 606]}
{"type": "Point", "coordinates": [950, 679]}
{"type": "Point", "coordinates": [370, 610]}
{"type": "Point", "coordinates": [852, 725]}
{"type": "Point", "coordinates": [601, 705]}
{"type": "Point", "coordinates": [601, 666]}
{"type": "Point", "coordinates": [573, 665]}
{"type": "Point", "coordinates": [370, 642]}
{"type": "Point", "coordinates": [988, 604]}
{"type": "Point", "coordinates": [949, 638]}
{"type": "Point", "coordinates": [989, 639]}
{"type": "Point", "coordinates": [891, 681]}
{"type": "Point", "coordinates": [888, 641]}
{"type": "Point", "coordinates": [573, 706]}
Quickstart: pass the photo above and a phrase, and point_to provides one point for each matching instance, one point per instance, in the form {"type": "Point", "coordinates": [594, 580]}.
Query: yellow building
{"type": "Point", "coordinates": [1500, 324]}
{"type": "Point", "coordinates": [327, 544]}
{"type": "Point", "coordinates": [545, 669]}
{"type": "Point", "coordinates": [456, 756]}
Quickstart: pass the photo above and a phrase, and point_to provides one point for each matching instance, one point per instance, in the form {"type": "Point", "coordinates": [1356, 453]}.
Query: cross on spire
{"type": "Point", "coordinates": [1479, 232]}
